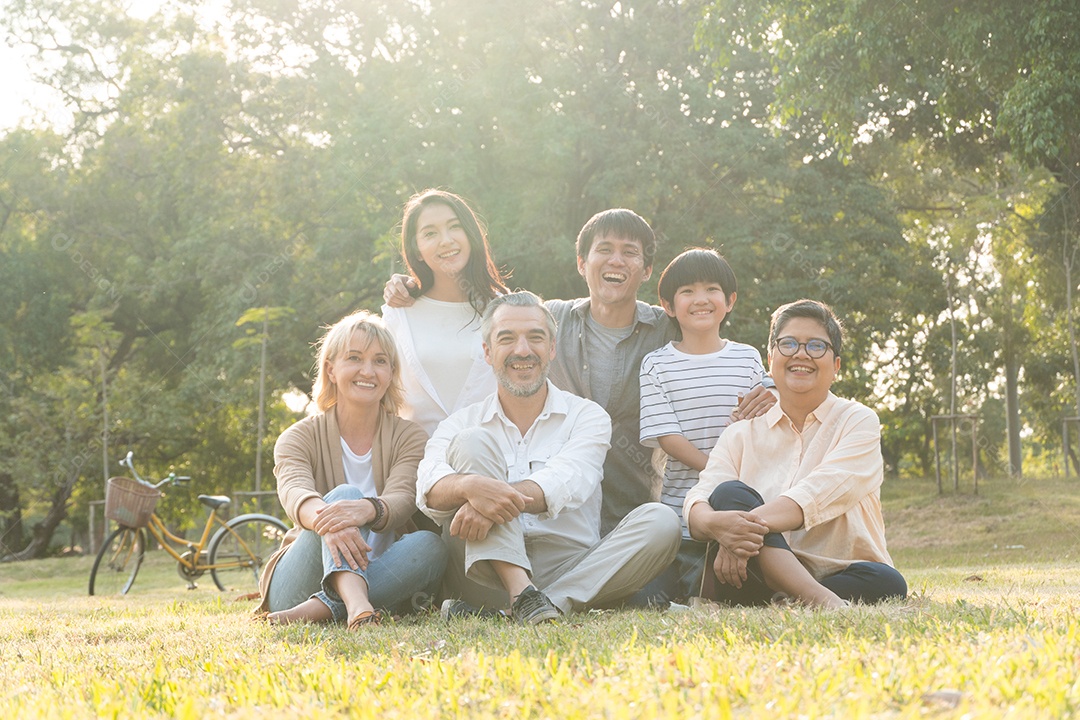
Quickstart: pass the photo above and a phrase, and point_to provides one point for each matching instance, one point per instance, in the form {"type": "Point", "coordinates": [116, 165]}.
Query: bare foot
{"type": "Point", "coordinates": [827, 600]}
{"type": "Point", "coordinates": [311, 610]}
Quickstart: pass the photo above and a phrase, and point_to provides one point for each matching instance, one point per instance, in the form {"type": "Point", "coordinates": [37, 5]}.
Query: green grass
{"type": "Point", "coordinates": [988, 631]}
{"type": "Point", "coordinates": [1008, 522]}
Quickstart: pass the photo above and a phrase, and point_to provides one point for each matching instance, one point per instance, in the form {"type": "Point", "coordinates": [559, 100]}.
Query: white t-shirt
{"type": "Point", "coordinates": [358, 474]}
{"type": "Point", "coordinates": [693, 396]}
{"type": "Point", "coordinates": [442, 359]}
{"type": "Point", "coordinates": [444, 335]}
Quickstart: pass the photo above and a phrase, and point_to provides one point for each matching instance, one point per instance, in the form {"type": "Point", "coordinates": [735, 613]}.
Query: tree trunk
{"type": "Point", "coordinates": [262, 402]}
{"type": "Point", "coordinates": [11, 526]}
{"type": "Point", "coordinates": [43, 531]}
{"type": "Point", "coordinates": [927, 448]}
{"type": "Point", "coordinates": [1012, 395]}
{"type": "Point", "coordinates": [952, 382]}
{"type": "Point", "coordinates": [1068, 258]}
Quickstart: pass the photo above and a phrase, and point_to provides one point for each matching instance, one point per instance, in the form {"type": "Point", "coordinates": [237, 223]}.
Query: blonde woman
{"type": "Point", "coordinates": [346, 478]}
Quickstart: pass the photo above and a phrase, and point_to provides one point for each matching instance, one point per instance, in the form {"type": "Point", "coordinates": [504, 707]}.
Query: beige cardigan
{"type": "Point", "coordinates": [307, 464]}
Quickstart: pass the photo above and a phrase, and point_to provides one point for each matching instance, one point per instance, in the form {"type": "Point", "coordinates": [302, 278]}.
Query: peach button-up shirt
{"type": "Point", "coordinates": [833, 469]}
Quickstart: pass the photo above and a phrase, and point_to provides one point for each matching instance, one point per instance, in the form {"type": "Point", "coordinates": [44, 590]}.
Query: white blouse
{"type": "Point", "coordinates": [442, 359]}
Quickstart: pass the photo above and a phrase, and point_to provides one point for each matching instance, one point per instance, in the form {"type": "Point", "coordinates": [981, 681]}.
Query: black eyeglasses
{"type": "Point", "coordinates": [788, 346]}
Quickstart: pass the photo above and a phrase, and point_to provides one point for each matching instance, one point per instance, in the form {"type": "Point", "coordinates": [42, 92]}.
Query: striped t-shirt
{"type": "Point", "coordinates": [693, 396]}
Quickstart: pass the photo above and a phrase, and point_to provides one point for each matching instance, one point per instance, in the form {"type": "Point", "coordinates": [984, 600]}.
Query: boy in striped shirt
{"type": "Point", "coordinates": [691, 389]}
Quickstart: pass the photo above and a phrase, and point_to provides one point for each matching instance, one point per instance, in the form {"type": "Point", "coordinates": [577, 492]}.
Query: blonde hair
{"type": "Point", "coordinates": [336, 341]}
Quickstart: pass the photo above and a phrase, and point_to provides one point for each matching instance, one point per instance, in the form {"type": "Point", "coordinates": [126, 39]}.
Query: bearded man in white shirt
{"type": "Point", "coordinates": [515, 481]}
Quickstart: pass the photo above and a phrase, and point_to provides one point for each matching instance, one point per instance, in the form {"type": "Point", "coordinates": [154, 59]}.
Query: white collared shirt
{"type": "Point", "coordinates": [563, 452]}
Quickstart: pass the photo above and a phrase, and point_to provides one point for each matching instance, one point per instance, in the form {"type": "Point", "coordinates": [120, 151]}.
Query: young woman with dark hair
{"type": "Point", "coordinates": [453, 278]}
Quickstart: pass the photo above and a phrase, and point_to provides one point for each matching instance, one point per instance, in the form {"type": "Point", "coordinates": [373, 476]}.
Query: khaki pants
{"type": "Point", "coordinates": [575, 576]}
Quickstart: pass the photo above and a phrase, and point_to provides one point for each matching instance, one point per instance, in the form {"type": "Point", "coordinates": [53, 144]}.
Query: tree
{"type": "Point", "coordinates": [203, 178]}
{"type": "Point", "coordinates": [262, 316]}
{"type": "Point", "coordinates": [971, 83]}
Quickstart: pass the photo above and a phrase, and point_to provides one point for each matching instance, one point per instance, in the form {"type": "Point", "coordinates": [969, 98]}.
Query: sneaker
{"type": "Point", "coordinates": [533, 607]}
{"type": "Point", "coordinates": [459, 608]}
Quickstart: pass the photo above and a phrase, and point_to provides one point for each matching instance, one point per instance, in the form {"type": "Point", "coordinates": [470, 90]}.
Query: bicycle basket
{"type": "Point", "coordinates": [129, 502]}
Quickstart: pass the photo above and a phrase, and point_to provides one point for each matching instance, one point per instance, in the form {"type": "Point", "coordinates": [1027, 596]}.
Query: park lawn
{"type": "Point", "coordinates": [990, 629]}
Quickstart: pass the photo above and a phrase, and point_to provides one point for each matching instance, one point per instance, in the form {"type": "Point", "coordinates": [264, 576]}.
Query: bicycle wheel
{"type": "Point", "coordinates": [118, 562]}
{"type": "Point", "coordinates": [243, 547]}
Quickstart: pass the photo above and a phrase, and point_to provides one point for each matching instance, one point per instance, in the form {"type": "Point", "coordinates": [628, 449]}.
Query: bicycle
{"type": "Point", "coordinates": [234, 555]}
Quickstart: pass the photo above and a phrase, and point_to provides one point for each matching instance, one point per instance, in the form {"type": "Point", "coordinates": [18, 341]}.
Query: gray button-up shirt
{"type": "Point", "coordinates": [629, 476]}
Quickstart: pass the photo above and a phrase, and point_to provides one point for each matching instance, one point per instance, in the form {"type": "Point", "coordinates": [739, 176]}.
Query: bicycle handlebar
{"type": "Point", "coordinates": [170, 479]}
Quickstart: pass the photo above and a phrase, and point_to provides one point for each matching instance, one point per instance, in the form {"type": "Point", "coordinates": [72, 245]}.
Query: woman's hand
{"type": "Point", "coordinates": [343, 514]}
{"type": "Point", "coordinates": [740, 533]}
{"type": "Point", "coordinates": [349, 546]}
{"type": "Point", "coordinates": [729, 569]}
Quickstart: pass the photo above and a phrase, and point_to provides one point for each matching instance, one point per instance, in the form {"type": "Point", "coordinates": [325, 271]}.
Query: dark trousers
{"type": "Point", "coordinates": [864, 582]}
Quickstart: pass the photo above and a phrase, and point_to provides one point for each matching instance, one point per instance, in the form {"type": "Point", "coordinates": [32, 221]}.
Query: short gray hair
{"type": "Point", "coordinates": [521, 298]}
{"type": "Point", "coordinates": [814, 310]}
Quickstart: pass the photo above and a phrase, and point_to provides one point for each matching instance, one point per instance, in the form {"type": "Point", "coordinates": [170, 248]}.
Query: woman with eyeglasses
{"type": "Point", "coordinates": [791, 499]}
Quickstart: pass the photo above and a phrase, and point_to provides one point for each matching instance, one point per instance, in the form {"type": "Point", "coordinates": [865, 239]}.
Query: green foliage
{"type": "Point", "coordinates": [970, 114]}
{"type": "Point", "coordinates": [221, 165]}
{"type": "Point", "coordinates": [966, 79]}
{"type": "Point", "coordinates": [201, 180]}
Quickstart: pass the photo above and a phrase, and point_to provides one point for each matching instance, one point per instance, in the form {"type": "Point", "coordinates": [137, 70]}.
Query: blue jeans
{"type": "Point", "coordinates": [402, 579]}
{"type": "Point", "coordinates": [865, 582]}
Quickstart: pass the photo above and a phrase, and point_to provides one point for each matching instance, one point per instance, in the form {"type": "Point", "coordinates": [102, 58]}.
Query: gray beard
{"type": "Point", "coordinates": [522, 391]}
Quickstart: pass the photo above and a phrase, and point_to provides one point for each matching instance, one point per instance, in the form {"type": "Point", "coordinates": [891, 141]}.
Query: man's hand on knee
{"type": "Point", "coordinates": [495, 499]}
{"type": "Point", "coordinates": [469, 524]}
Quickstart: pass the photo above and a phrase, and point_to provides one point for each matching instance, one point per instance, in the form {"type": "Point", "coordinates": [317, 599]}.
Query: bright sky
{"type": "Point", "coordinates": [21, 98]}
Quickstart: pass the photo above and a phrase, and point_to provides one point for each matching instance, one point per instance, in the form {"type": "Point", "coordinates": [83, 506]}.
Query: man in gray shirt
{"type": "Point", "coordinates": [602, 340]}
